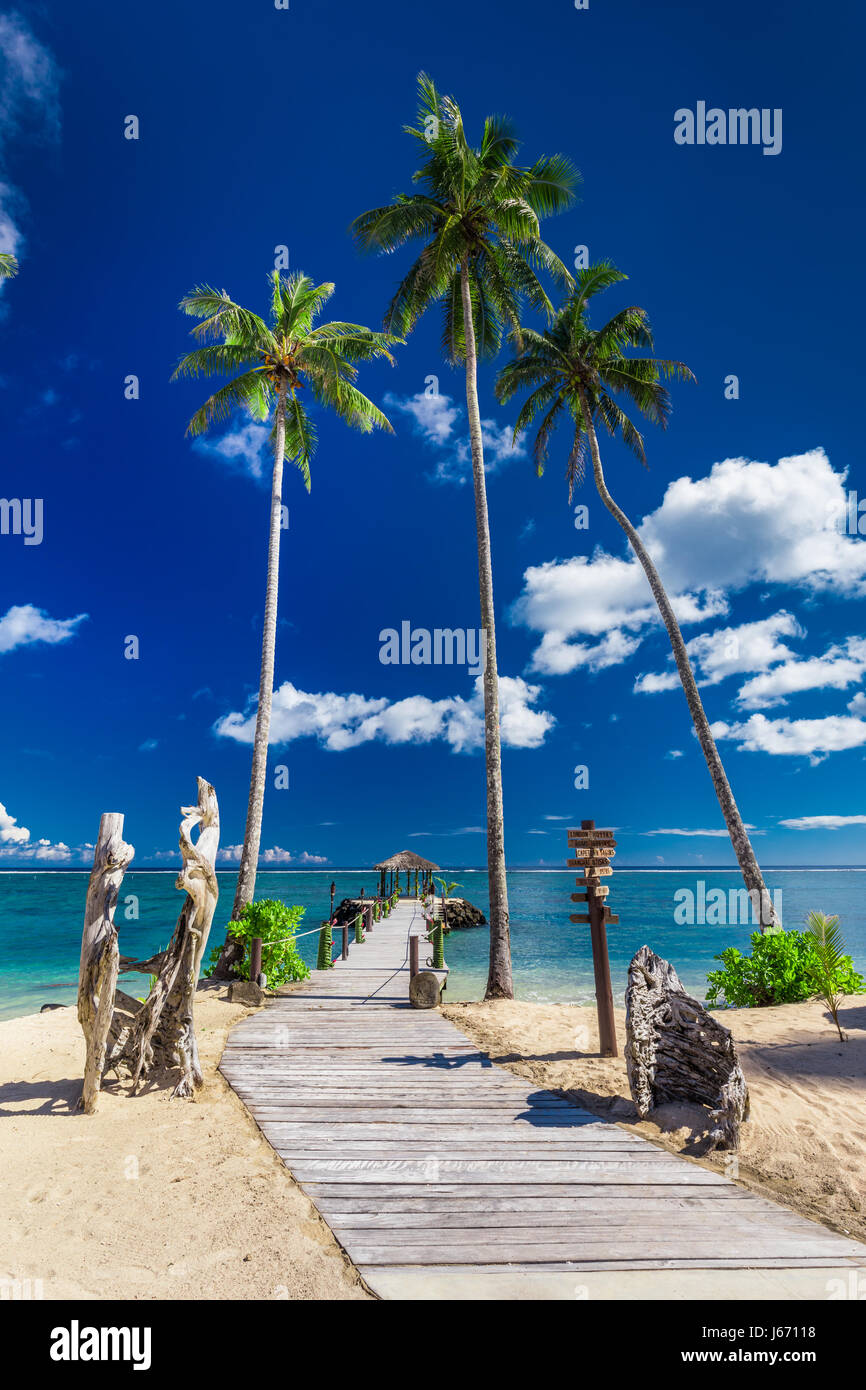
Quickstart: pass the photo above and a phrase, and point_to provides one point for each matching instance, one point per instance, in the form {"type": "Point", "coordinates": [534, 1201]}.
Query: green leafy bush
{"type": "Point", "coordinates": [784, 968]}
{"type": "Point", "coordinates": [276, 923]}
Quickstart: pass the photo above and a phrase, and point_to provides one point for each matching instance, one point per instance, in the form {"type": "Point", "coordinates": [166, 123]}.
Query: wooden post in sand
{"type": "Point", "coordinates": [593, 851]}
{"type": "Point", "coordinates": [98, 970]}
{"type": "Point", "coordinates": [162, 1035]}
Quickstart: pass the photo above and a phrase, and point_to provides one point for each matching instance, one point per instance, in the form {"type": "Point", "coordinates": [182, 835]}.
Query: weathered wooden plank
{"type": "Point", "coordinates": [423, 1155]}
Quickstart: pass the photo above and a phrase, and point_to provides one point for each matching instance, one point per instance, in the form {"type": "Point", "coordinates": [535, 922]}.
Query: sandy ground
{"type": "Point", "coordinates": [805, 1143]}
{"type": "Point", "coordinates": [148, 1198]}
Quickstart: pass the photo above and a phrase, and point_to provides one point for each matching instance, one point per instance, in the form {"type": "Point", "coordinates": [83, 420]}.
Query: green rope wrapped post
{"type": "Point", "coordinates": [359, 928]}
{"type": "Point", "coordinates": [324, 960]}
{"type": "Point", "coordinates": [437, 938]}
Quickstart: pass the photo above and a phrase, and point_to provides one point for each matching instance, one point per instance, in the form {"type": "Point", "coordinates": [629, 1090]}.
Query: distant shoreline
{"type": "Point", "coordinates": [479, 869]}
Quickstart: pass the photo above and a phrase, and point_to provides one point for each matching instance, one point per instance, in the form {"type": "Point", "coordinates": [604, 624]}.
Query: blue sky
{"type": "Point", "coordinates": [261, 128]}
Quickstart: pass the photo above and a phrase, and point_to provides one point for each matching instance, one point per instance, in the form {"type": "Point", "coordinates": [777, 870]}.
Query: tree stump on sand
{"type": "Point", "coordinates": [675, 1050]}
{"type": "Point", "coordinates": [161, 1035]}
{"type": "Point", "coordinates": [97, 973]}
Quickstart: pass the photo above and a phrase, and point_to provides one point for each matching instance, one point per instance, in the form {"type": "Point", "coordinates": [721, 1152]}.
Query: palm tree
{"type": "Point", "coordinates": [276, 362]}
{"type": "Point", "coordinates": [573, 372]}
{"type": "Point", "coordinates": [8, 265]}
{"type": "Point", "coordinates": [477, 216]}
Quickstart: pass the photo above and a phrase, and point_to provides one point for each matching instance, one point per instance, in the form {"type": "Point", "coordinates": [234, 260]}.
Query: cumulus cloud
{"type": "Point", "coordinates": [339, 722]}
{"type": "Point", "coordinates": [730, 651]}
{"type": "Point", "coordinates": [244, 448]}
{"type": "Point", "coordinates": [745, 523]}
{"type": "Point", "coordinates": [822, 822]}
{"type": "Point", "coordinates": [435, 419]}
{"type": "Point", "coordinates": [231, 854]}
{"type": "Point", "coordinates": [812, 738]}
{"type": "Point", "coordinates": [28, 104]}
{"type": "Point", "coordinates": [839, 667]}
{"type": "Point", "coordinates": [23, 625]}
{"type": "Point", "coordinates": [432, 416]}
{"type": "Point", "coordinates": [11, 833]}
{"type": "Point", "coordinates": [16, 843]}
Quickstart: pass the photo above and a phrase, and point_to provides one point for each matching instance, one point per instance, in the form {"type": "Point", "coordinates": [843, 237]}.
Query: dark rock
{"type": "Point", "coordinates": [425, 989]}
{"type": "Point", "coordinates": [349, 909]}
{"type": "Point", "coordinates": [48, 1008]}
{"type": "Point", "coordinates": [462, 915]}
{"type": "Point", "coordinates": [246, 992]}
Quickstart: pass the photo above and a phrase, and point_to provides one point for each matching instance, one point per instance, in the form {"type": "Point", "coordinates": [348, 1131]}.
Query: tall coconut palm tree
{"type": "Point", "coordinates": [8, 265]}
{"type": "Point", "coordinates": [573, 372]}
{"type": "Point", "coordinates": [477, 214]}
{"type": "Point", "coordinates": [282, 366]}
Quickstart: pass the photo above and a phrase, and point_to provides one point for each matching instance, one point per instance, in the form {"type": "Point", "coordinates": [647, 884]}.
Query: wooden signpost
{"type": "Point", "coordinates": [593, 850]}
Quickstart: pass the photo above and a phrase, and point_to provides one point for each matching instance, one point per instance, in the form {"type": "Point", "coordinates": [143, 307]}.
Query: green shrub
{"type": "Point", "coordinates": [784, 968]}
{"type": "Point", "coordinates": [276, 923]}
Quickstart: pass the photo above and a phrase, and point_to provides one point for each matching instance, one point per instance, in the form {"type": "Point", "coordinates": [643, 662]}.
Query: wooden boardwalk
{"type": "Point", "coordinates": [443, 1175]}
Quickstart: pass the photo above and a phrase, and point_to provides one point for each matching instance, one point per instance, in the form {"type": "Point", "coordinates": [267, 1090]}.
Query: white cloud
{"type": "Point", "coordinates": [15, 842]}
{"type": "Point", "coordinates": [838, 668]}
{"type": "Point", "coordinates": [28, 96]}
{"type": "Point", "coordinates": [148, 745]}
{"type": "Point", "coordinates": [745, 523]}
{"type": "Point", "coordinates": [11, 833]}
{"type": "Point", "coordinates": [713, 834]}
{"type": "Point", "coordinates": [822, 822]}
{"type": "Point", "coordinates": [812, 738]}
{"type": "Point", "coordinates": [435, 419]}
{"type": "Point", "coordinates": [730, 651]}
{"type": "Point", "coordinates": [231, 854]}
{"type": "Point", "coordinates": [674, 753]}
{"type": "Point", "coordinates": [244, 448]}
{"type": "Point", "coordinates": [24, 625]}
{"type": "Point", "coordinates": [347, 721]}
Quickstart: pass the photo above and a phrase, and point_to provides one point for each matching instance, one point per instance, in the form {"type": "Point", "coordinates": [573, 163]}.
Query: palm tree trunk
{"type": "Point", "coordinates": [499, 981]}
{"type": "Point", "coordinates": [751, 872]}
{"type": "Point", "coordinates": [232, 950]}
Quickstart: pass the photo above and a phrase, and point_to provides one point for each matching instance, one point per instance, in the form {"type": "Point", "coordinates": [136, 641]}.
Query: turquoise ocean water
{"type": "Point", "coordinates": [41, 916]}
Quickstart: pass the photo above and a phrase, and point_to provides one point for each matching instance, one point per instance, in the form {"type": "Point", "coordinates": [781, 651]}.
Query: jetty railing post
{"type": "Point", "coordinates": [255, 959]}
{"type": "Point", "coordinates": [413, 957]}
{"type": "Point", "coordinates": [326, 948]}
{"type": "Point", "coordinates": [368, 917]}
{"type": "Point", "coordinates": [345, 941]}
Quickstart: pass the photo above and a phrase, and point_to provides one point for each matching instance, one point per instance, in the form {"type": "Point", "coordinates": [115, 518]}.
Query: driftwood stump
{"type": "Point", "coordinates": [676, 1050]}
{"type": "Point", "coordinates": [160, 1038]}
{"type": "Point", "coordinates": [97, 973]}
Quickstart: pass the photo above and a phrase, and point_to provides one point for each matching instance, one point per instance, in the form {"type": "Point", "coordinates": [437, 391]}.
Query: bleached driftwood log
{"type": "Point", "coordinates": [676, 1050]}
{"type": "Point", "coordinates": [97, 974]}
{"type": "Point", "coordinates": [160, 1037]}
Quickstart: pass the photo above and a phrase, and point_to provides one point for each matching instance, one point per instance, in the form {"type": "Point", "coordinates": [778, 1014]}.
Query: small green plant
{"type": "Point", "coordinates": [784, 968]}
{"type": "Point", "coordinates": [276, 923]}
{"type": "Point", "coordinates": [826, 941]}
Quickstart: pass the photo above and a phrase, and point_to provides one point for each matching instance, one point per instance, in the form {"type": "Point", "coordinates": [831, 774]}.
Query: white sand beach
{"type": "Point", "coordinates": [149, 1198]}
{"type": "Point", "coordinates": [805, 1143]}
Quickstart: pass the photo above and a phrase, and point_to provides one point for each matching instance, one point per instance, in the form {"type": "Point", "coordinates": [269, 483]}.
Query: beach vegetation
{"type": "Point", "coordinates": [784, 967]}
{"type": "Point", "coordinates": [276, 923]}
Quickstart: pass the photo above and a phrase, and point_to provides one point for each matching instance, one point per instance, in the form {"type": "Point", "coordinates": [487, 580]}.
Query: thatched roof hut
{"type": "Point", "coordinates": [406, 861]}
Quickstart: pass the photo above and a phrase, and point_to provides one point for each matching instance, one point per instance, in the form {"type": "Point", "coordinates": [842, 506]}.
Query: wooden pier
{"type": "Point", "coordinates": [443, 1175]}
